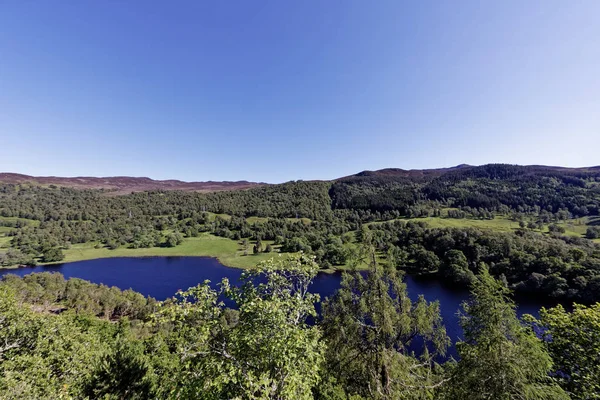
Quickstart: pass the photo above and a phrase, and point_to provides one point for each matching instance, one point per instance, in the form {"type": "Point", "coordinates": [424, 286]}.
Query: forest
{"type": "Point", "coordinates": [499, 230]}
{"type": "Point", "coordinates": [74, 339]}
{"type": "Point", "coordinates": [388, 209]}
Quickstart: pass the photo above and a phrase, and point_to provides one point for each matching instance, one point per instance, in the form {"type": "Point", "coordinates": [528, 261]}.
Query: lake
{"type": "Point", "coordinates": [161, 277]}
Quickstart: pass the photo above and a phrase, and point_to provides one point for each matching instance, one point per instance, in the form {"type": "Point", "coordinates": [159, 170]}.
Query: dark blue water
{"type": "Point", "coordinates": [162, 277]}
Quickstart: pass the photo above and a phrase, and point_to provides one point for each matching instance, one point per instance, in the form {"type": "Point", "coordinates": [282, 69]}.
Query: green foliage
{"type": "Point", "coordinates": [474, 190]}
{"type": "Point", "coordinates": [269, 352]}
{"type": "Point", "coordinates": [593, 232]}
{"type": "Point", "coordinates": [124, 372]}
{"type": "Point", "coordinates": [53, 345]}
{"type": "Point", "coordinates": [45, 356]}
{"type": "Point", "coordinates": [61, 339]}
{"type": "Point", "coordinates": [500, 358]}
{"type": "Point", "coordinates": [370, 325]}
{"type": "Point", "coordinates": [53, 254]}
{"type": "Point", "coordinates": [456, 267]}
{"type": "Point", "coordinates": [573, 341]}
{"type": "Point", "coordinates": [173, 239]}
{"type": "Point", "coordinates": [51, 291]}
{"type": "Point", "coordinates": [317, 217]}
{"type": "Point", "coordinates": [530, 262]}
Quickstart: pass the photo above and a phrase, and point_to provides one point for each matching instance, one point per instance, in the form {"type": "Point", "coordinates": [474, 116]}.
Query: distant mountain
{"type": "Point", "coordinates": [462, 168]}
{"type": "Point", "coordinates": [408, 173]}
{"type": "Point", "coordinates": [128, 184]}
{"type": "Point", "coordinates": [125, 184]}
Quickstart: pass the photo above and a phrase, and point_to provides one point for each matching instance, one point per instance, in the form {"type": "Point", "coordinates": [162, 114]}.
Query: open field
{"type": "Point", "coordinates": [4, 241]}
{"type": "Point", "coordinates": [573, 227]}
{"type": "Point", "coordinates": [261, 220]}
{"type": "Point", "coordinates": [231, 253]}
{"type": "Point", "coordinates": [500, 224]}
{"type": "Point", "coordinates": [227, 251]}
{"type": "Point", "coordinates": [31, 222]}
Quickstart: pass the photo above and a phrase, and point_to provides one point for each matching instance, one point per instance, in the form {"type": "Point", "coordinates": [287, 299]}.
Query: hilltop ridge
{"type": "Point", "coordinates": [128, 184]}
{"type": "Point", "coordinates": [125, 184]}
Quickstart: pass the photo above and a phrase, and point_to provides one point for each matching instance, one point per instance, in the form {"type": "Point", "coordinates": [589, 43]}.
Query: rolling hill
{"type": "Point", "coordinates": [125, 184]}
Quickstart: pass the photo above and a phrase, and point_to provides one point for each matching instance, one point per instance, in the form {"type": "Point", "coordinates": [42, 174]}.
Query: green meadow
{"type": "Point", "coordinates": [231, 253]}
{"type": "Point", "coordinates": [227, 251]}
{"type": "Point", "coordinates": [499, 223]}
{"type": "Point", "coordinates": [573, 227]}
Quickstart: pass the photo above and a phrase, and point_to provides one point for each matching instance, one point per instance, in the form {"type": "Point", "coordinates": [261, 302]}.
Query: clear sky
{"type": "Point", "coordinates": [283, 90]}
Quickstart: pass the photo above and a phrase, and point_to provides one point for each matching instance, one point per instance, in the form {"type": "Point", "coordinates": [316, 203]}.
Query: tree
{"type": "Point", "coordinates": [258, 246]}
{"type": "Point", "coordinates": [500, 358]}
{"type": "Point", "coordinates": [593, 232]}
{"type": "Point", "coordinates": [53, 254]}
{"type": "Point", "coordinates": [522, 224]}
{"type": "Point", "coordinates": [456, 267]}
{"type": "Point", "coordinates": [173, 239]}
{"type": "Point", "coordinates": [335, 252]}
{"type": "Point", "coordinates": [556, 228]}
{"type": "Point", "coordinates": [123, 373]}
{"type": "Point", "coordinates": [46, 356]}
{"type": "Point", "coordinates": [573, 341]}
{"type": "Point", "coordinates": [425, 261]}
{"type": "Point", "coordinates": [270, 352]}
{"type": "Point", "coordinates": [370, 325]}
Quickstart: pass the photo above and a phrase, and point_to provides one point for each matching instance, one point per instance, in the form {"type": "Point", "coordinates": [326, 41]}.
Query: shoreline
{"type": "Point", "coordinates": [227, 252]}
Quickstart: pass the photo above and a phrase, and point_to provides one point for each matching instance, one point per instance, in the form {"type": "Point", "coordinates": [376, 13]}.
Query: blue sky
{"type": "Point", "coordinates": [283, 90]}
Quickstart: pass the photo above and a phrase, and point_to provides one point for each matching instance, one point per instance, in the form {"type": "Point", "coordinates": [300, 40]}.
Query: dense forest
{"type": "Point", "coordinates": [75, 339]}
{"type": "Point", "coordinates": [328, 219]}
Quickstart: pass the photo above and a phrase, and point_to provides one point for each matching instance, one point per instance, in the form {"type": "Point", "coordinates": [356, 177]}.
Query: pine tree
{"type": "Point", "coordinates": [500, 358]}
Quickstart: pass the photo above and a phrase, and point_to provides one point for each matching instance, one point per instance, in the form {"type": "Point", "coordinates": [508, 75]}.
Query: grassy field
{"type": "Point", "coordinates": [4, 241]}
{"type": "Point", "coordinates": [230, 252]}
{"type": "Point", "coordinates": [227, 251]}
{"type": "Point", "coordinates": [573, 227]}
{"type": "Point", "coordinates": [260, 220]}
{"type": "Point", "coordinates": [500, 224]}
{"type": "Point", "coordinates": [213, 216]}
{"type": "Point", "coordinates": [255, 220]}
{"type": "Point", "coordinates": [31, 222]}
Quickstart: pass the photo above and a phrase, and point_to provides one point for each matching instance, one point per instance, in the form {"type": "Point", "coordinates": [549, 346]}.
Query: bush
{"type": "Point", "coordinates": [593, 232]}
{"type": "Point", "coordinates": [53, 254]}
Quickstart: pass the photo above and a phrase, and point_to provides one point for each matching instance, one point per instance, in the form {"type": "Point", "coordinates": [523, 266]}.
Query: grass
{"type": "Point", "coordinates": [261, 220]}
{"type": "Point", "coordinates": [227, 251]}
{"type": "Point", "coordinates": [230, 252]}
{"type": "Point", "coordinates": [5, 241]}
{"type": "Point", "coordinates": [31, 222]}
{"type": "Point", "coordinates": [213, 216]}
{"type": "Point", "coordinates": [573, 227]}
{"type": "Point", "coordinates": [255, 220]}
{"type": "Point", "coordinates": [499, 224]}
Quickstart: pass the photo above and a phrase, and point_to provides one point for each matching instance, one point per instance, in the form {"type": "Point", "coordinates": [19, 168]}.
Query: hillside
{"type": "Point", "coordinates": [125, 184]}
{"type": "Point", "coordinates": [489, 187]}
{"type": "Point", "coordinates": [537, 229]}
{"type": "Point", "coordinates": [464, 168]}
{"type": "Point", "coordinates": [128, 184]}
